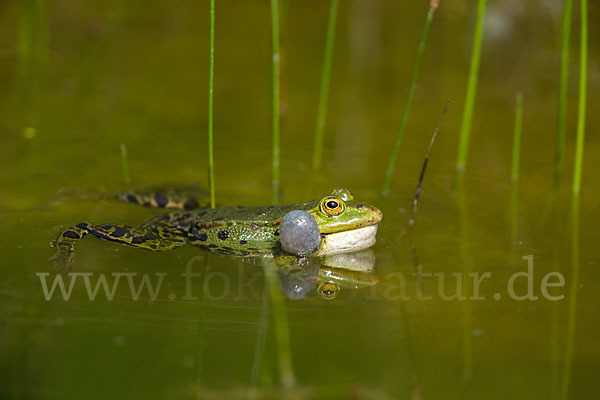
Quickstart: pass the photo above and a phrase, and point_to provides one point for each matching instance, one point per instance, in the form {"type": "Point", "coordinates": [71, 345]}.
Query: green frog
{"type": "Point", "coordinates": [344, 225]}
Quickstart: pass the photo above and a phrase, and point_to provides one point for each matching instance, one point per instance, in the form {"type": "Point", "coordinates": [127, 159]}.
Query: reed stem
{"type": "Point", "coordinates": [433, 5]}
{"type": "Point", "coordinates": [582, 104]}
{"type": "Point", "coordinates": [575, 200]}
{"type": "Point", "coordinates": [211, 75]}
{"type": "Point", "coordinates": [125, 164]}
{"type": "Point", "coordinates": [465, 130]}
{"type": "Point", "coordinates": [325, 81]}
{"type": "Point", "coordinates": [561, 121]}
{"type": "Point", "coordinates": [275, 100]}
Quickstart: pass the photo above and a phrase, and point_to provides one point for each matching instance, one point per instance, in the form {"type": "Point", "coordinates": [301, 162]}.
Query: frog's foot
{"type": "Point", "coordinates": [154, 238]}
{"type": "Point", "coordinates": [182, 198]}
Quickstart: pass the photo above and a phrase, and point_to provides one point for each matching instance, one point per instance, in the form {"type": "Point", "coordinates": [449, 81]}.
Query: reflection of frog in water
{"type": "Point", "coordinates": [331, 274]}
{"type": "Point", "coordinates": [340, 225]}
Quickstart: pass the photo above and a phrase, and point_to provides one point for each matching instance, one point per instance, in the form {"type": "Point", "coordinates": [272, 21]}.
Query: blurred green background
{"type": "Point", "coordinates": [80, 78]}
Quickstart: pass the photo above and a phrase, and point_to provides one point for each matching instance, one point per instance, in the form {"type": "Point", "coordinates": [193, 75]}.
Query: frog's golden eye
{"type": "Point", "coordinates": [329, 290]}
{"type": "Point", "coordinates": [332, 206]}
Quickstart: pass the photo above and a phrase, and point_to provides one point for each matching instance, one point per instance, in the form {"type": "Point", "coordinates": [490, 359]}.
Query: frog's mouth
{"type": "Point", "coordinates": [348, 241]}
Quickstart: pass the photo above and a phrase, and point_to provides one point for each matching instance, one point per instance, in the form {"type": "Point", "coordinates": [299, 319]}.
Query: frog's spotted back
{"type": "Point", "coordinates": [343, 226]}
{"type": "Point", "coordinates": [183, 198]}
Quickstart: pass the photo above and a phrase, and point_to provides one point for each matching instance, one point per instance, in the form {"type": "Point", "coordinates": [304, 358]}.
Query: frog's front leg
{"type": "Point", "coordinates": [156, 238]}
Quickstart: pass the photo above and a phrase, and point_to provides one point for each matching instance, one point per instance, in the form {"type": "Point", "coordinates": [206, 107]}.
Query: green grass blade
{"type": "Point", "coordinates": [433, 5]}
{"type": "Point", "coordinates": [325, 79]}
{"type": "Point", "coordinates": [561, 122]}
{"type": "Point", "coordinates": [211, 75]}
{"type": "Point", "coordinates": [465, 130]}
{"type": "Point", "coordinates": [582, 103]}
{"type": "Point", "coordinates": [275, 99]}
{"type": "Point", "coordinates": [575, 201]}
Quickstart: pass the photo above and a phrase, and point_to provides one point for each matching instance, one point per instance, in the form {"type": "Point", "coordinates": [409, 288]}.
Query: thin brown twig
{"type": "Point", "coordinates": [415, 202]}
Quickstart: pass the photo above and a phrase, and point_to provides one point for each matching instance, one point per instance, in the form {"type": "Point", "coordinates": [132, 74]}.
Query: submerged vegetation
{"type": "Point", "coordinates": [467, 117]}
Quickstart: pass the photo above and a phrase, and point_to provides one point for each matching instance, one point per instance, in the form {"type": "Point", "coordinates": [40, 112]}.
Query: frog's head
{"type": "Point", "coordinates": [345, 224]}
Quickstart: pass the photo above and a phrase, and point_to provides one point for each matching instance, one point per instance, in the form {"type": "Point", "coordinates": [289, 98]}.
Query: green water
{"type": "Point", "coordinates": [78, 80]}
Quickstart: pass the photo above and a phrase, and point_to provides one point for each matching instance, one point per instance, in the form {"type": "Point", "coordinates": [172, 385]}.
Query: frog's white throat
{"type": "Point", "coordinates": [347, 241]}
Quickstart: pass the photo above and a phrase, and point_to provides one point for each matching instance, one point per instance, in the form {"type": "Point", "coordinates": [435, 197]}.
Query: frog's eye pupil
{"type": "Point", "coordinates": [328, 292]}
{"type": "Point", "coordinates": [331, 206]}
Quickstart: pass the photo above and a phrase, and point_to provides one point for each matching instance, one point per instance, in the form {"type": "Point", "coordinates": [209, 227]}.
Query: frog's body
{"type": "Point", "coordinates": [344, 225]}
